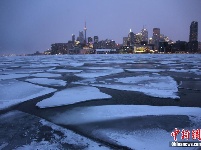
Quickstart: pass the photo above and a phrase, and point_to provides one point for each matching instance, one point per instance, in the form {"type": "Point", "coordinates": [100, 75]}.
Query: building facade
{"type": "Point", "coordinates": [156, 37]}
{"type": "Point", "coordinates": [131, 38]}
{"type": "Point", "coordinates": [193, 37]}
{"type": "Point", "coordinates": [144, 33]}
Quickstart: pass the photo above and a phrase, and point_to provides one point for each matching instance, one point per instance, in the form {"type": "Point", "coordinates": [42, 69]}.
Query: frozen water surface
{"type": "Point", "coordinates": [82, 115]}
{"type": "Point", "coordinates": [73, 95]}
{"type": "Point", "coordinates": [156, 86]}
{"type": "Point", "coordinates": [14, 92]}
{"type": "Point", "coordinates": [64, 70]}
{"type": "Point", "coordinates": [53, 138]}
{"type": "Point", "coordinates": [145, 70]}
{"type": "Point", "coordinates": [50, 75]}
{"type": "Point", "coordinates": [46, 81]}
{"type": "Point", "coordinates": [99, 73]}
{"type": "Point", "coordinates": [13, 76]}
{"type": "Point", "coordinates": [102, 71]}
{"type": "Point", "coordinates": [135, 139]}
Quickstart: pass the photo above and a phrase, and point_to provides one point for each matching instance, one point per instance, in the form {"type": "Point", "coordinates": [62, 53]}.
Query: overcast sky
{"type": "Point", "coordinates": [27, 26]}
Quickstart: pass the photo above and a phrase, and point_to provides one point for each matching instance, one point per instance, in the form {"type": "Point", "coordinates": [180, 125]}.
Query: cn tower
{"type": "Point", "coordinates": [85, 33]}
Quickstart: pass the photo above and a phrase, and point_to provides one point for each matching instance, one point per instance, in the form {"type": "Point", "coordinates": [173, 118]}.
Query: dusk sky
{"type": "Point", "coordinates": [27, 26]}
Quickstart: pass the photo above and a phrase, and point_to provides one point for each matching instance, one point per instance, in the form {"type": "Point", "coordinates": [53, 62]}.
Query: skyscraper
{"type": "Point", "coordinates": [90, 39]}
{"type": "Point", "coordinates": [73, 37]}
{"type": "Point", "coordinates": [95, 39]}
{"type": "Point", "coordinates": [81, 37]}
{"type": "Point", "coordinates": [131, 38]}
{"type": "Point", "coordinates": [193, 37]}
{"type": "Point", "coordinates": [144, 34]}
{"type": "Point", "coordinates": [125, 40]}
{"type": "Point", "coordinates": [156, 37]}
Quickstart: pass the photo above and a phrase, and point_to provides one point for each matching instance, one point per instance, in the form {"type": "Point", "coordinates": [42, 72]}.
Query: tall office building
{"type": "Point", "coordinates": [95, 39]}
{"type": "Point", "coordinates": [73, 37]}
{"type": "Point", "coordinates": [81, 37]}
{"type": "Point", "coordinates": [131, 38]}
{"type": "Point", "coordinates": [193, 37]}
{"type": "Point", "coordinates": [144, 34]}
{"type": "Point", "coordinates": [125, 41]}
{"type": "Point", "coordinates": [156, 37]}
{"type": "Point", "coordinates": [90, 39]}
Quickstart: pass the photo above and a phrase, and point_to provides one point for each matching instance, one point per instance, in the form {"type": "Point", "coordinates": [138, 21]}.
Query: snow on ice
{"type": "Point", "coordinates": [156, 86]}
{"type": "Point", "coordinates": [46, 81]}
{"type": "Point", "coordinates": [14, 92]}
{"type": "Point", "coordinates": [99, 73]}
{"type": "Point", "coordinates": [72, 95]}
{"type": "Point", "coordinates": [135, 139]}
{"type": "Point", "coordinates": [82, 115]}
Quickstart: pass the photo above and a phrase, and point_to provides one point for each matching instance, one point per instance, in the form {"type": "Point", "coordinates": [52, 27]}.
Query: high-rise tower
{"type": "Point", "coordinates": [85, 33]}
{"type": "Point", "coordinates": [193, 36]}
{"type": "Point", "coordinates": [131, 38]}
{"type": "Point", "coordinates": [156, 37]}
{"type": "Point", "coordinates": [144, 34]}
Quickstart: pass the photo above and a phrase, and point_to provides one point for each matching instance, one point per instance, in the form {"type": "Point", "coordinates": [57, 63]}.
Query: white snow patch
{"type": "Point", "coordinates": [72, 95]}
{"type": "Point", "coordinates": [46, 81]}
{"type": "Point", "coordinates": [14, 92]}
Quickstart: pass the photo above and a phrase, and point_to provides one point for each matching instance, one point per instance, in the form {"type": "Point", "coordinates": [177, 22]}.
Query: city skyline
{"type": "Point", "coordinates": [32, 26]}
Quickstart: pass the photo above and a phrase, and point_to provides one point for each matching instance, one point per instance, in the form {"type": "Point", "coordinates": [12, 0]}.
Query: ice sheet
{"type": "Point", "coordinates": [14, 92]}
{"type": "Point", "coordinates": [155, 85]}
{"type": "Point", "coordinates": [90, 114]}
{"type": "Point", "coordinates": [50, 75]}
{"type": "Point", "coordinates": [13, 76]}
{"type": "Point", "coordinates": [150, 138]}
{"type": "Point", "coordinates": [154, 139]}
{"type": "Point", "coordinates": [46, 81]}
{"type": "Point", "coordinates": [40, 145]}
{"type": "Point", "coordinates": [73, 138]}
{"type": "Point", "coordinates": [145, 70]}
{"type": "Point", "coordinates": [99, 73]}
{"type": "Point", "coordinates": [72, 95]}
{"type": "Point", "coordinates": [65, 71]}
{"type": "Point", "coordinates": [33, 133]}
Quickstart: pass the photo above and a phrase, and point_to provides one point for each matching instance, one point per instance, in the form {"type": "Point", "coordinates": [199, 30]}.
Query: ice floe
{"type": "Point", "coordinates": [145, 70]}
{"type": "Point", "coordinates": [156, 86]}
{"type": "Point", "coordinates": [153, 139]}
{"type": "Point", "coordinates": [50, 75]}
{"type": "Point", "coordinates": [72, 95]}
{"type": "Point", "coordinates": [13, 76]}
{"type": "Point", "coordinates": [14, 92]}
{"type": "Point", "coordinates": [46, 81]}
{"type": "Point", "coordinates": [145, 138]}
{"type": "Point", "coordinates": [65, 71]}
{"type": "Point", "coordinates": [99, 73]}
{"type": "Point", "coordinates": [90, 114]}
